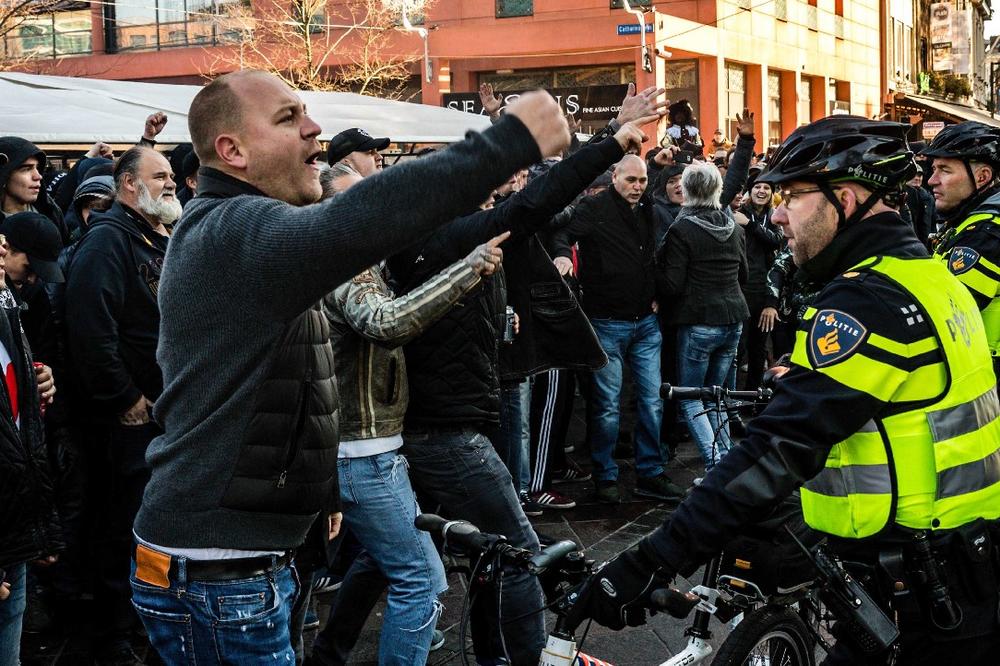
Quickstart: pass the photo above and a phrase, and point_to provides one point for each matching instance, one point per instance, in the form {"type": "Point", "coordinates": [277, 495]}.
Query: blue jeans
{"type": "Point", "coordinates": [506, 438]}
{"type": "Point", "coordinates": [705, 356]}
{"type": "Point", "coordinates": [243, 621]}
{"type": "Point", "coordinates": [379, 508]}
{"type": "Point", "coordinates": [459, 470]}
{"type": "Point", "coordinates": [638, 342]}
{"type": "Point", "coordinates": [12, 616]}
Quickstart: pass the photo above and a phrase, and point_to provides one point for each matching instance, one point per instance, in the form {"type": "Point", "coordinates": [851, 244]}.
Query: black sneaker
{"type": "Point", "coordinates": [549, 499]}
{"type": "Point", "coordinates": [571, 474]}
{"type": "Point", "coordinates": [607, 492]}
{"type": "Point", "coordinates": [528, 505]}
{"type": "Point", "coordinates": [658, 487]}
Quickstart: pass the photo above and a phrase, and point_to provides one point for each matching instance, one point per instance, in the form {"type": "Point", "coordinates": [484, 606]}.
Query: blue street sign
{"type": "Point", "coordinates": [633, 28]}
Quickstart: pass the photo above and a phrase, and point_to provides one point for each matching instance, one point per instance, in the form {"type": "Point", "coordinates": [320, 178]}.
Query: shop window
{"type": "Point", "coordinates": [773, 108]}
{"type": "Point", "coordinates": [160, 24]}
{"type": "Point", "coordinates": [805, 100]}
{"type": "Point", "coordinates": [50, 35]}
{"type": "Point", "coordinates": [736, 95]}
{"type": "Point", "coordinates": [512, 8]}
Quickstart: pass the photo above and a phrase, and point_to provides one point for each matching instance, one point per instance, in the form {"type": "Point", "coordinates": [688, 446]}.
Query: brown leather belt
{"type": "Point", "coordinates": [159, 569]}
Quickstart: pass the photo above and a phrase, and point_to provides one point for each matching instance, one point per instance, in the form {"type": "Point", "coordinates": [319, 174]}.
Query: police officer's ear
{"type": "Point", "coordinates": [983, 173]}
{"type": "Point", "coordinates": [848, 198]}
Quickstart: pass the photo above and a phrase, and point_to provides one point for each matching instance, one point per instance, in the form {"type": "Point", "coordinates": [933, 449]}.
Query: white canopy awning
{"type": "Point", "coordinates": [64, 110]}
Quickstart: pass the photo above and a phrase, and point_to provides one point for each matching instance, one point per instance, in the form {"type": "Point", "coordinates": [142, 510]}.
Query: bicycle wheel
{"type": "Point", "coordinates": [771, 636]}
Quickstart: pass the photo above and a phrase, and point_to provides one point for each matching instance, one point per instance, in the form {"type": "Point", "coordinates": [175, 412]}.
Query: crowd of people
{"type": "Point", "coordinates": [266, 354]}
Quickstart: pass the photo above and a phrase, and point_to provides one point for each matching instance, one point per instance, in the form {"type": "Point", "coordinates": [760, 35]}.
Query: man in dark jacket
{"type": "Point", "coordinates": [113, 326]}
{"type": "Point", "coordinates": [21, 167]}
{"type": "Point", "coordinates": [762, 242]}
{"type": "Point", "coordinates": [29, 523]}
{"type": "Point", "coordinates": [249, 405]}
{"type": "Point", "coordinates": [616, 231]}
{"type": "Point", "coordinates": [701, 265]}
{"type": "Point", "coordinates": [455, 397]}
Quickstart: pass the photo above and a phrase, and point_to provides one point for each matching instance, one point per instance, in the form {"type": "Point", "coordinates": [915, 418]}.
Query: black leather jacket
{"type": "Point", "coordinates": [29, 524]}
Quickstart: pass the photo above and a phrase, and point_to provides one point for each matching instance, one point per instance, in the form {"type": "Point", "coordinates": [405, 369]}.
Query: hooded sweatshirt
{"type": "Point", "coordinates": [700, 268]}
{"type": "Point", "coordinates": [112, 316]}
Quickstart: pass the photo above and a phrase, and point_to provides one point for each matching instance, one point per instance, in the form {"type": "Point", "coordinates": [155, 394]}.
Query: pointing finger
{"type": "Point", "coordinates": [496, 240]}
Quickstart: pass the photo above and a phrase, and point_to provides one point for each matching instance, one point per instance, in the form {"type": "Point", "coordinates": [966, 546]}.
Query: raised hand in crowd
{"type": "Point", "coordinates": [768, 318]}
{"type": "Point", "coordinates": [665, 157]}
{"type": "Point", "coordinates": [574, 124]}
{"type": "Point", "coordinates": [491, 103]}
{"type": "Point", "coordinates": [744, 123]}
{"type": "Point", "coordinates": [486, 258]}
{"type": "Point", "coordinates": [642, 107]}
{"type": "Point", "coordinates": [741, 219]}
{"type": "Point", "coordinates": [137, 414]}
{"type": "Point", "coordinates": [541, 114]}
{"type": "Point", "coordinates": [101, 149]}
{"type": "Point", "coordinates": [154, 125]}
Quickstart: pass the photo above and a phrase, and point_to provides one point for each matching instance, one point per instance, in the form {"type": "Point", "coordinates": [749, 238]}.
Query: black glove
{"type": "Point", "coordinates": [617, 594]}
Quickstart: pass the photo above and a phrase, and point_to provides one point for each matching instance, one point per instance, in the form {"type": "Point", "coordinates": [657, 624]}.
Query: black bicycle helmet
{"type": "Point", "coordinates": [842, 148]}
{"type": "Point", "coordinates": [970, 140]}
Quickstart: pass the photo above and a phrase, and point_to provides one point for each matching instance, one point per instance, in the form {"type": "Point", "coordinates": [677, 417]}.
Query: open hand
{"type": "Point", "coordinates": [768, 317]}
{"type": "Point", "coordinates": [491, 103]}
{"type": "Point", "coordinates": [744, 123]}
{"type": "Point", "coordinates": [642, 108]}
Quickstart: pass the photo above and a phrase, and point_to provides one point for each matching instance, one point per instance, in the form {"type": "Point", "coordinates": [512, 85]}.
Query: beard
{"type": "Point", "coordinates": [162, 210]}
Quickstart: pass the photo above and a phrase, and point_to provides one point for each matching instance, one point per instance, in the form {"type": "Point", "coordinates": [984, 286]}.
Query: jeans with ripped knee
{"type": "Point", "coordinates": [379, 508]}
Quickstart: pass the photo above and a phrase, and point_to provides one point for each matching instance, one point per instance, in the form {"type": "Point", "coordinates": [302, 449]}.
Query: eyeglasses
{"type": "Point", "coordinates": [788, 196]}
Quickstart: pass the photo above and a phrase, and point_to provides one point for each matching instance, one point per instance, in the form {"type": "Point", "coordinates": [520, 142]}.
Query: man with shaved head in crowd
{"type": "Point", "coordinates": [616, 233]}
{"type": "Point", "coordinates": [249, 455]}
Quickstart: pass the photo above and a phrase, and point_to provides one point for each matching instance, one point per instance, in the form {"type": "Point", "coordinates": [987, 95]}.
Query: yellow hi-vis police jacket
{"type": "Point", "coordinates": [931, 459]}
{"type": "Point", "coordinates": [971, 250]}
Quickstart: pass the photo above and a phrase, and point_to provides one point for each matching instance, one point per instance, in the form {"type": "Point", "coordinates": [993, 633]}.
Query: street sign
{"type": "Point", "coordinates": [633, 28]}
{"type": "Point", "coordinates": [931, 128]}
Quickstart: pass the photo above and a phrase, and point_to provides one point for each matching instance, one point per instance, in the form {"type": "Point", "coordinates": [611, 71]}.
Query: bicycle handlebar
{"type": "Point", "coordinates": [668, 391]}
{"type": "Point", "coordinates": [466, 535]}
{"type": "Point", "coordinates": [458, 532]}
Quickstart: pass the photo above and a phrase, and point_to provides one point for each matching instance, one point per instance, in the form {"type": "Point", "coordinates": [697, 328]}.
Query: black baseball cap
{"type": "Point", "coordinates": [351, 140]}
{"type": "Point", "coordinates": [36, 236]}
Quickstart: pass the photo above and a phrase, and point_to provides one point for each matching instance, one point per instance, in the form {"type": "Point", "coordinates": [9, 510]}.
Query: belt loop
{"type": "Point", "coordinates": [273, 570]}
{"type": "Point", "coordinates": [182, 577]}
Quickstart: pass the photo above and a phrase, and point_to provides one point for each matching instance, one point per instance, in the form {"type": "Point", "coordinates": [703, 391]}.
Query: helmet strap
{"type": "Point", "coordinates": [842, 220]}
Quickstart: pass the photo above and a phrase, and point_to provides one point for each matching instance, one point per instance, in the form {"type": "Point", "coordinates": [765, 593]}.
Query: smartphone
{"type": "Point", "coordinates": [683, 157]}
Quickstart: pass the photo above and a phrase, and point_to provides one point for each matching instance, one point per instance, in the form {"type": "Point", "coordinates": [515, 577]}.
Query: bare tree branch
{"type": "Point", "coordinates": [313, 45]}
